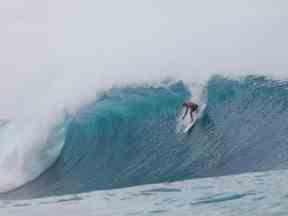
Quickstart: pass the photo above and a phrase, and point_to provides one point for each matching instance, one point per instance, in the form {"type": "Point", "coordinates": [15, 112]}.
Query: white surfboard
{"type": "Point", "coordinates": [190, 126]}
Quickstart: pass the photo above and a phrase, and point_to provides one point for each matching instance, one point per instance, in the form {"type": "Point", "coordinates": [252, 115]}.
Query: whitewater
{"type": "Point", "coordinates": [91, 95]}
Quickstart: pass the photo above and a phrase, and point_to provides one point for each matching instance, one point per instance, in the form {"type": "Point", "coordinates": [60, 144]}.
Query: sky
{"type": "Point", "coordinates": [68, 49]}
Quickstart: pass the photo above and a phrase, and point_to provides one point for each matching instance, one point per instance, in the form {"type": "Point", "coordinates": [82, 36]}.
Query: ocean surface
{"type": "Point", "coordinates": [121, 154]}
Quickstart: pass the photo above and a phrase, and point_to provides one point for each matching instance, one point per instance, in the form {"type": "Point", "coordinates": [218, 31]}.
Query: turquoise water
{"type": "Point", "coordinates": [127, 137]}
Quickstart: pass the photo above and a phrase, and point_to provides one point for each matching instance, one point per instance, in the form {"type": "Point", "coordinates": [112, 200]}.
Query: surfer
{"type": "Point", "coordinates": [193, 107]}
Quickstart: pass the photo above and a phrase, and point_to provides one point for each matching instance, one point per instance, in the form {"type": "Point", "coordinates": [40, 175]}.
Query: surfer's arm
{"type": "Point", "coordinates": [186, 111]}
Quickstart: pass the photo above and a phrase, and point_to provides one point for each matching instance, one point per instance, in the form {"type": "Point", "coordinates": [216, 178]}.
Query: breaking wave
{"type": "Point", "coordinates": [127, 137]}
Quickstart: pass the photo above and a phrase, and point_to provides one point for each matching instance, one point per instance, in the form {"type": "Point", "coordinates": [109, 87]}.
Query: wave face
{"type": "Point", "coordinates": [127, 137]}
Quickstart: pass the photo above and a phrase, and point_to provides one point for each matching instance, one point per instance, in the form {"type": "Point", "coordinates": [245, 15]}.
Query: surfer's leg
{"type": "Point", "coordinates": [191, 114]}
